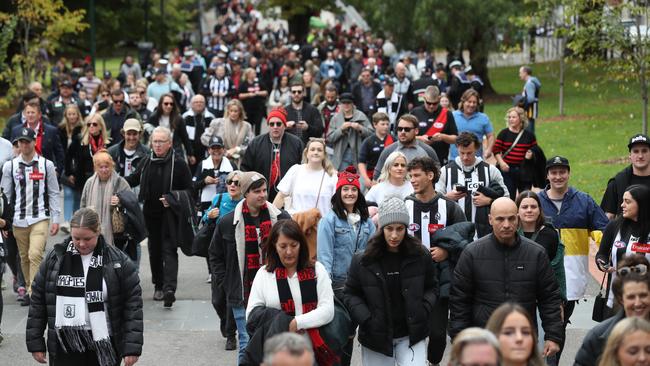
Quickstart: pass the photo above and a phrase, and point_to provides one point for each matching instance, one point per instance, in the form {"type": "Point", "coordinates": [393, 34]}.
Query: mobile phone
{"type": "Point", "coordinates": [603, 265]}
{"type": "Point", "coordinates": [102, 105]}
{"type": "Point", "coordinates": [462, 189]}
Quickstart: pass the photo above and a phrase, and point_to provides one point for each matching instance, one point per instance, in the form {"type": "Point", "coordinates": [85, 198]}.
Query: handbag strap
{"type": "Point", "coordinates": [514, 143]}
{"type": "Point", "coordinates": [602, 282]}
{"type": "Point", "coordinates": [319, 187]}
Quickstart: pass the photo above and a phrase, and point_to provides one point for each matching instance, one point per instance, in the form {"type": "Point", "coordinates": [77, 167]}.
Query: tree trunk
{"type": "Point", "coordinates": [299, 26]}
{"type": "Point", "coordinates": [478, 58]}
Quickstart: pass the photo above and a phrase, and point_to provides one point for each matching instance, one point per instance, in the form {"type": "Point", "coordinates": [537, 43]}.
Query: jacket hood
{"type": "Point", "coordinates": [467, 168]}
{"type": "Point", "coordinates": [535, 81]}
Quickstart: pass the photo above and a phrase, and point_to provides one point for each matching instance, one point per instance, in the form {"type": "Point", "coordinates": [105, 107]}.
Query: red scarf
{"type": "Point", "coordinates": [253, 246]}
{"type": "Point", "coordinates": [274, 176]}
{"type": "Point", "coordinates": [96, 143]}
{"type": "Point", "coordinates": [309, 295]}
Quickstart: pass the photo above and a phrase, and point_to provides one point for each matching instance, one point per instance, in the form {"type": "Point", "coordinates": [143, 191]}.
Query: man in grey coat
{"type": "Point", "coordinates": [347, 131]}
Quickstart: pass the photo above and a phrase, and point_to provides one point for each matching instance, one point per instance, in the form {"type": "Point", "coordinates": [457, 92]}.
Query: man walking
{"type": "Point", "coordinates": [31, 186]}
{"type": "Point", "coordinates": [430, 211]}
{"type": "Point", "coordinates": [505, 266]}
{"type": "Point", "coordinates": [303, 119]}
{"type": "Point", "coordinates": [236, 254]}
{"type": "Point", "coordinates": [530, 95]}
{"type": "Point", "coordinates": [436, 125]}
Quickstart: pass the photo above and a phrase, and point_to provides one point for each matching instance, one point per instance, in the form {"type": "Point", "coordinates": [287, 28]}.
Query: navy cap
{"type": "Point", "coordinates": [216, 141]}
{"type": "Point", "coordinates": [557, 161]}
{"type": "Point", "coordinates": [638, 139]}
{"type": "Point", "coordinates": [107, 75]}
{"type": "Point", "coordinates": [26, 134]}
{"type": "Point", "coordinates": [346, 97]}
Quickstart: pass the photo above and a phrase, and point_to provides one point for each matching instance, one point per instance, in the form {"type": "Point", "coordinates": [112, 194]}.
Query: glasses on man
{"type": "Point", "coordinates": [431, 103]}
{"type": "Point", "coordinates": [159, 142]}
{"type": "Point", "coordinates": [275, 124]}
{"type": "Point", "coordinates": [639, 268]}
{"type": "Point", "coordinates": [296, 92]}
{"type": "Point", "coordinates": [404, 129]}
{"type": "Point", "coordinates": [118, 102]}
{"type": "Point", "coordinates": [232, 181]}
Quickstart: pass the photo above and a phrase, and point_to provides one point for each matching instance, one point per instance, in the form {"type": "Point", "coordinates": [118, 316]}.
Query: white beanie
{"type": "Point", "coordinates": [393, 210]}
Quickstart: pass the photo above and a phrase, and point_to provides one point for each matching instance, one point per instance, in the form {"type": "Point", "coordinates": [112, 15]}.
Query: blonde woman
{"type": "Point", "coordinates": [233, 129]}
{"type": "Point", "coordinates": [310, 184]}
{"type": "Point", "coordinates": [393, 180]}
{"type": "Point", "coordinates": [101, 189]}
{"type": "Point", "coordinates": [628, 344]}
{"type": "Point", "coordinates": [70, 126]}
{"type": "Point", "coordinates": [93, 138]}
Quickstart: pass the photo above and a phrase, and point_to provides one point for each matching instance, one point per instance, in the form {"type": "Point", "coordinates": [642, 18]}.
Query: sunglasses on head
{"type": "Point", "coordinates": [639, 268]}
{"type": "Point", "coordinates": [232, 181]}
{"type": "Point", "coordinates": [404, 129]}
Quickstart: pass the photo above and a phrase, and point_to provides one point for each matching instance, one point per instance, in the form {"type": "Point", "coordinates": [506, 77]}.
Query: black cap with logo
{"type": "Point", "coordinates": [557, 161]}
{"type": "Point", "coordinates": [638, 139]}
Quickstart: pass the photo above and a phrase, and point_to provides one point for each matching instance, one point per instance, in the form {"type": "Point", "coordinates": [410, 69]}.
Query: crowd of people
{"type": "Point", "coordinates": [337, 189]}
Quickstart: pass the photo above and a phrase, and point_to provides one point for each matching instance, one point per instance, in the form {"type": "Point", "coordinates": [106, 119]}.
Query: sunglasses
{"type": "Point", "coordinates": [118, 102]}
{"type": "Point", "coordinates": [431, 103]}
{"type": "Point", "coordinates": [166, 104]}
{"type": "Point", "coordinates": [296, 92]}
{"type": "Point", "coordinates": [232, 181]}
{"type": "Point", "coordinates": [639, 268]}
{"type": "Point", "coordinates": [94, 124]}
{"type": "Point", "coordinates": [404, 129]}
{"type": "Point", "coordinates": [275, 124]}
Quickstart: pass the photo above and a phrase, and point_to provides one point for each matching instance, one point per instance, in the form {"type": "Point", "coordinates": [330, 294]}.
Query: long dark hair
{"type": "Point", "coordinates": [640, 194]}
{"type": "Point", "coordinates": [377, 246]}
{"type": "Point", "coordinates": [530, 194]}
{"type": "Point", "coordinates": [174, 116]}
{"type": "Point", "coordinates": [291, 230]}
{"type": "Point", "coordinates": [360, 206]}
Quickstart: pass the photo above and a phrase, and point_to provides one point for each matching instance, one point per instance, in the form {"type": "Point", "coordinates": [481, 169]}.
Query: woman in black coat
{"type": "Point", "coordinates": [100, 324]}
{"type": "Point", "coordinates": [391, 290]}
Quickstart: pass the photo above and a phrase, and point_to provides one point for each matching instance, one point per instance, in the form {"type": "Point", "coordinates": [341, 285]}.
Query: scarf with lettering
{"type": "Point", "coordinates": [309, 295]}
{"type": "Point", "coordinates": [253, 245]}
{"type": "Point", "coordinates": [78, 295]}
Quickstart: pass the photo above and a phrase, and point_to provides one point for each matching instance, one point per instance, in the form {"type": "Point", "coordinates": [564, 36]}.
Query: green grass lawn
{"type": "Point", "coordinates": [594, 132]}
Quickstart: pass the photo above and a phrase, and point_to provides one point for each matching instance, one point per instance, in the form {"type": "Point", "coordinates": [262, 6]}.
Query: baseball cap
{"type": "Point", "coordinates": [455, 63]}
{"type": "Point", "coordinates": [26, 134]}
{"type": "Point", "coordinates": [132, 124]}
{"type": "Point", "coordinates": [557, 161]}
{"type": "Point", "coordinates": [188, 53]}
{"type": "Point", "coordinates": [638, 139]}
{"type": "Point", "coordinates": [107, 75]}
{"type": "Point", "coordinates": [346, 97]}
{"type": "Point", "coordinates": [65, 84]}
{"type": "Point", "coordinates": [216, 141]}
{"type": "Point", "coordinates": [386, 80]}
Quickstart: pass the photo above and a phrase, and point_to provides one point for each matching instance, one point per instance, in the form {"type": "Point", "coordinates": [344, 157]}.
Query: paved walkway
{"type": "Point", "coordinates": [188, 333]}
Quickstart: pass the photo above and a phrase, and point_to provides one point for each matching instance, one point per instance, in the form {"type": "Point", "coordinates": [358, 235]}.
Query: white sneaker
{"type": "Point", "coordinates": [209, 280]}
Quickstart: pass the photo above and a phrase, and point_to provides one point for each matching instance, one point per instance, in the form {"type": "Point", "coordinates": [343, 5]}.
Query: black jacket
{"type": "Point", "coordinates": [262, 324]}
{"type": "Point", "coordinates": [489, 274]}
{"type": "Point", "coordinates": [453, 239]}
{"type": "Point", "coordinates": [259, 155]}
{"type": "Point", "coordinates": [309, 114]}
{"type": "Point", "coordinates": [63, 139]}
{"type": "Point", "coordinates": [16, 120]}
{"type": "Point", "coordinates": [135, 228]}
{"type": "Point", "coordinates": [358, 97]}
{"type": "Point", "coordinates": [594, 343]}
{"type": "Point", "coordinates": [367, 299]}
{"type": "Point", "coordinates": [117, 153]}
{"type": "Point", "coordinates": [124, 302]}
{"type": "Point", "coordinates": [180, 139]}
{"type": "Point", "coordinates": [180, 219]}
{"type": "Point", "coordinates": [199, 123]}
{"type": "Point", "coordinates": [223, 256]}
{"type": "Point", "coordinates": [114, 122]}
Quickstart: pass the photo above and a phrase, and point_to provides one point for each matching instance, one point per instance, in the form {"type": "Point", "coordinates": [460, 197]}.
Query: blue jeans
{"type": "Point", "coordinates": [239, 313]}
{"type": "Point", "coordinates": [71, 201]}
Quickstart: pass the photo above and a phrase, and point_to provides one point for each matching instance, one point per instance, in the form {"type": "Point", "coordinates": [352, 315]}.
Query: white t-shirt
{"type": "Point", "coordinates": [128, 162]}
{"type": "Point", "coordinates": [302, 184]}
{"type": "Point", "coordinates": [384, 189]}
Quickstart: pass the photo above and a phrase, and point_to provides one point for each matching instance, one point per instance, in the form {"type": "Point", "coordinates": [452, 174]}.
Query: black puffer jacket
{"type": "Point", "coordinates": [124, 303]}
{"type": "Point", "coordinates": [489, 274]}
{"type": "Point", "coordinates": [453, 238]}
{"type": "Point", "coordinates": [594, 343]}
{"type": "Point", "coordinates": [367, 299]}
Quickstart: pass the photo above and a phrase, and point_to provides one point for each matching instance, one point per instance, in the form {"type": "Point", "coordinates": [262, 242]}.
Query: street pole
{"type": "Point", "coordinates": [146, 20]}
{"type": "Point", "coordinates": [93, 45]}
{"type": "Point", "coordinates": [162, 26]}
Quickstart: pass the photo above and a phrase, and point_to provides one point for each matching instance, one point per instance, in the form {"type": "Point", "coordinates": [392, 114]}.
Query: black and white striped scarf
{"type": "Point", "coordinates": [77, 294]}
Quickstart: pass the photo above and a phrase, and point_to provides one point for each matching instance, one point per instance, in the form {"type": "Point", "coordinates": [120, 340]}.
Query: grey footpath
{"type": "Point", "coordinates": [188, 334]}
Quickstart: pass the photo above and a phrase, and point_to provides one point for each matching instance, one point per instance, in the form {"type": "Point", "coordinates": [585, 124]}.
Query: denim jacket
{"type": "Point", "coordinates": [338, 242]}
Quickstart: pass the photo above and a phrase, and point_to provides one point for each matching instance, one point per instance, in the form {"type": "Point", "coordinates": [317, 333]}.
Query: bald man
{"type": "Point", "coordinates": [501, 267]}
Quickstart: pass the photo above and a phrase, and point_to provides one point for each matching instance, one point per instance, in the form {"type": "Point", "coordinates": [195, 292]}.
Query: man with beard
{"type": "Point", "coordinates": [436, 125]}
{"type": "Point", "coordinates": [330, 106]}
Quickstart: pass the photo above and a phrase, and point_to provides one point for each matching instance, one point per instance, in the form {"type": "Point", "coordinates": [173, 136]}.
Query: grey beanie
{"type": "Point", "coordinates": [393, 210]}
